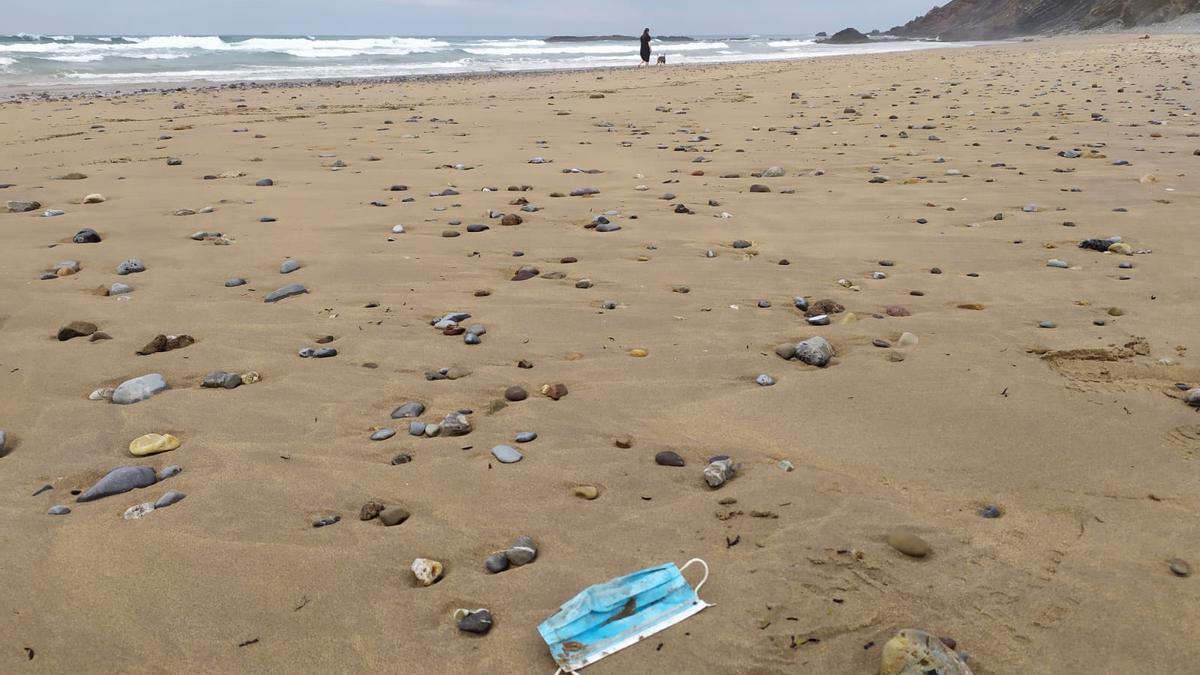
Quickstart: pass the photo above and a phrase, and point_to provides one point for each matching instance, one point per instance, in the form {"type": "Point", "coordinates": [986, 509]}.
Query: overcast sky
{"type": "Point", "coordinates": [451, 17]}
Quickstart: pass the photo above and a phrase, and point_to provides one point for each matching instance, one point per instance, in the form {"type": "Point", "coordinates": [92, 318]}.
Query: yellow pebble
{"type": "Point", "coordinates": [643, 258]}
{"type": "Point", "coordinates": [152, 444]}
{"type": "Point", "coordinates": [638, 352]}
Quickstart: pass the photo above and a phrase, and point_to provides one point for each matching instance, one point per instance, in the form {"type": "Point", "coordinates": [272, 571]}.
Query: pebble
{"type": "Point", "coordinates": [416, 428]}
{"type": "Point", "coordinates": [76, 329]}
{"type": "Point", "coordinates": [506, 454]}
{"type": "Point", "coordinates": [815, 351]}
{"type": "Point", "coordinates": [288, 266]}
{"type": "Point", "coordinates": [478, 622]}
{"type": "Point", "coordinates": [402, 458]}
{"type": "Point", "coordinates": [623, 442]}
{"type": "Point", "coordinates": [455, 424]}
{"type": "Point", "coordinates": [139, 389]}
{"type": "Point", "coordinates": [915, 652]}
{"type": "Point", "coordinates": [668, 458]}
{"type": "Point", "coordinates": [370, 511]}
{"type": "Point", "coordinates": [285, 292]}
{"type": "Point", "coordinates": [1180, 568]}
{"type": "Point", "coordinates": [588, 492]}
{"type": "Point", "coordinates": [718, 472]}
{"type": "Point", "coordinates": [325, 521]}
{"type": "Point", "coordinates": [86, 236]}
{"type": "Point", "coordinates": [235, 282]}
{"type": "Point", "coordinates": [3, 442]}
{"type": "Point", "coordinates": [172, 470]}
{"type": "Point", "coordinates": [171, 497]}
{"type": "Point", "coordinates": [908, 543]}
{"type": "Point", "coordinates": [131, 266]}
{"type": "Point", "coordinates": [119, 480]}
{"type": "Point", "coordinates": [410, 409]}
{"type": "Point", "coordinates": [264, 182]}
{"type": "Point", "coordinates": [522, 551]}
{"type": "Point", "coordinates": [1047, 324]}
{"type": "Point", "coordinates": [427, 571]}
{"type": "Point", "coordinates": [58, 510]}
{"type": "Point", "coordinates": [496, 563]}
{"type": "Point", "coordinates": [525, 436]}
{"type": "Point", "coordinates": [786, 351]}
{"type": "Point", "coordinates": [764, 380]}
{"type": "Point", "coordinates": [393, 515]}
{"type": "Point", "coordinates": [94, 198]}
{"type": "Point", "coordinates": [383, 434]}
{"type": "Point", "coordinates": [220, 379]}
{"type": "Point", "coordinates": [152, 444]}
{"type": "Point", "coordinates": [990, 511]}
{"type": "Point", "coordinates": [554, 391]}
{"type": "Point", "coordinates": [1055, 262]}
{"type": "Point", "coordinates": [907, 340]}
{"type": "Point", "coordinates": [138, 511]}
{"type": "Point", "coordinates": [119, 288]}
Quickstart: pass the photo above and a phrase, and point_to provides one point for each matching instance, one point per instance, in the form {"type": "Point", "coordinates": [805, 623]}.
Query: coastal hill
{"type": "Point", "coordinates": [993, 19]}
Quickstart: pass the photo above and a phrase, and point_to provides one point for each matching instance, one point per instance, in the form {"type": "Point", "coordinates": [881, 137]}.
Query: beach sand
{"type": "Point", "coordinates": [1077, 433]}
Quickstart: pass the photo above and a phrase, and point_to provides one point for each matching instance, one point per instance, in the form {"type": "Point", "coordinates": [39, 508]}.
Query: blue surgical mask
{"type": "Point", "coordinates": [611, 616]}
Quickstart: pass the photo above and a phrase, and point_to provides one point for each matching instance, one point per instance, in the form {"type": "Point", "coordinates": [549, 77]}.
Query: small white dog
{"type": "Point", "coordinates": [662, 59]}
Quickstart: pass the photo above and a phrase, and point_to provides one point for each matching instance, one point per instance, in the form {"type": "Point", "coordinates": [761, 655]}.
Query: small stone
{"type": "Point", "coordinates": [506, 454]}
{"type": "Point", "coordinates": [882, 344]}
{"type": "Point", "coordinates": [522, 552]}
{"type": "Point", "coordinates": [478, 622]}
{"type": "Point", "coordinates": [897, 311]}
{"type": "Point", "coordinates": [370, 511]}
{"type": "Point", "coordinates": [288, 266]}
{"type": "Point", "coordinates": [285, 292]}
{"type": "Point", "coordinates": [94, 198]}
{"type": "Point", "coordinates": [907, 340]}
{"type": "Point", "coordinates": [815, 351]}
{"type": "Point", "coordinates": [220, 379]}
{"type": "Point", "coordinates": [1047, 324]}
{"type": "Point", "coordinates": [915, 652]}
{"type": "Point", "coordinates": [1180, 568]}
{"type": "Point", "coordinates": [668, 458]}
{"type": "Point", "coordinates": [393, 515]}
{"type": "Point", "coordinates": [1055, 262]}
{"type": "Point", "coordinates": [131, 266]}
{"type": "Point", "coordinates": [139, 511]}
{"type": "Point", "coordinates": [76, 329]}
{"type": "Point", "coordinates": [410, 409]}
{"type": "Point", "coordinates": [264, 182]}
{"type": "Point", "coordinates": [718, 472]}
{"type": "Point", "coordinates": [163, 343]}
{"type": "Point", "coordinates": [588, 492]}
{"type": "Point", "coordinates": [235, 282]}
{"type": "Point", "coordinates": [496, 563]}
{"type": "Point", "coordinates": [764, 380]}
{"type": "Point", "coordinates": [427, 571]}
{"type": "Point", "coordinates": [58, 510]}
{"type": "Point", "coordinates": [119, 480]}
{"type": "Point", "coordinates": [990, 511]}
{"type": "Point", "coordinates": [554, 391]}
{"type": "Point", "coordinates": [172, 470]}
{"type": "Point", "coordinates": [455, 424]}
{"type": "Point", "coordinates": [250, 377]}
{"type": "Point", "coordinates": [623, 442]}
{"type": "Point", "coordinates": [525, 436]}
{"type": "Point", "coordinates": [139, 389]}
{"type": "Point", "coordinates": [786, 351]}
{"type": "Point", "coordinates": [22, 206]}
{"type": "Point", "coordinates": [383, 434]}
{"type": "Point", "coordinates": [515, 393]}
{"type": "Point", "coordinates": [638, 352]}
{"type": "Point", "coordinates": [152, 444]}
{"type": "Point", "coordinates": [171, 497]}
{"type": "Point", "coordinates": [908, 543]}
{"type": "Point", "coordinates": [1116, 311]}
{"type": "Point", "coordinates": [758, 187]}
{"type": "Point", "coordinates": [402, 458]}
{"type": "Point", "coordinates": [86, 236]}
{"type": "Point", "coordinates": [119, 288]}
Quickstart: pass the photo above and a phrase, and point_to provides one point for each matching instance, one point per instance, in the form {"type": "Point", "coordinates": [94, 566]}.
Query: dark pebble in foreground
{"type": "Point", "coordinates": [478, 622]}
{"type": "Point", "coordinates": [990, 511]}
{"type": "Point", "coordinates": [515, 393]}
{"type": "Point", "coordinates": [668, 458]}
{"type": "Point", "coordinates": [402, 458]}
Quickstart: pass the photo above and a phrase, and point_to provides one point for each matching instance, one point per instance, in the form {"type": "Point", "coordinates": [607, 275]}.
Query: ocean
{"type": "Point", "coordinates": [107, 61]}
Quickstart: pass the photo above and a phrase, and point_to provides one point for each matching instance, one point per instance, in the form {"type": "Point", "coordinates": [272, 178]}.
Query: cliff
{"type": "Point", "coordinates": [994, 19]}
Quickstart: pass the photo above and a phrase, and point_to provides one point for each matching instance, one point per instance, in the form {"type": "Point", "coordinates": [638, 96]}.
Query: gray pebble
{"type": "Point", "coordinates": [220, 379]}
{"type": "Point", "coordinates": [120, 479]}
{"type": "Point", "coordinates": [815, 351]}
{"type": "Point", "coordinates": [139, 389]}
{"type": "Point", "coordinates": [288, 266]}
{"type": "Point", "coordinates": [764, 380]}
{"type": "Point", "coordinates": [496, 563]}
{"type": "Point", "coordinates": [171, 497]}
{"type": "Point", "coordinates": [235, 282]}
{"type": "Point", "coordinates": [173, 470]}
{"type": "Point", "coordinates": [383, 434]}
{"type": "Point", "coordinates": [478, 622]}
{"type": "Point", "coordinates": [416, 428]}
{"type": "Point", "coordinates": [506, 454]}
{"type": "Point", "coordinates": [131, 266]}
{"type": "Point", "coordinates": [786, 351]}
{"type": "Point", "coordinates": [58, 510]}
{"type": "Point", "coordinates": [410, 409]}
{"type": "Point", "coordinates": [285, 292]}
{"type": "Point", "coordinates": [525, 436]}
{"type": "Point", "coordinates": [1047, 324]}
{"type": "Point", "coordinates": [119, 288]}
{"type": "Point", "coordinates": [522, 551]}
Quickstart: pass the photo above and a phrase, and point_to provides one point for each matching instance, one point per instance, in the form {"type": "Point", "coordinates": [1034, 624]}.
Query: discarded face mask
{"type": "Point", "coordinates": [608, 617]}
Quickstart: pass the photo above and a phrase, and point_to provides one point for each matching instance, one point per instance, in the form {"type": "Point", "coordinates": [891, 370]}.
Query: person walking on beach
{"type": "Point", "coordinates": [645, 48]}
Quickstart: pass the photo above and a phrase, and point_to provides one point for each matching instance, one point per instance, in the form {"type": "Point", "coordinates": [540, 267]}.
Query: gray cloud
{"type": "Point", "coordinates": [443, 17]}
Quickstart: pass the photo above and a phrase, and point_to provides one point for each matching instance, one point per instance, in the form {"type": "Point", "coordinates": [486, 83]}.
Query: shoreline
{"type": "Point", "coordinates": [10, 93]}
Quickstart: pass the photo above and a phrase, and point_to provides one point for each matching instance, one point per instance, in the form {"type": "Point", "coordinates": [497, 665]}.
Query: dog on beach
{"type": "Point", "coordinates": [662, 59]}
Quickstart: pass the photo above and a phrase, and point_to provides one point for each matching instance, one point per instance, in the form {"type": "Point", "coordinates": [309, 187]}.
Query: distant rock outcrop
{"type": "Point", "coordinates": [848, 36]}
{"type": "Point", "coordinates": [994, 19]}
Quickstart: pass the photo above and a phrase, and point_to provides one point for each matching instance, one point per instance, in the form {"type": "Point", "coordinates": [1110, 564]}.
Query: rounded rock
{"type": "Point", "coordinates": [909, 543]}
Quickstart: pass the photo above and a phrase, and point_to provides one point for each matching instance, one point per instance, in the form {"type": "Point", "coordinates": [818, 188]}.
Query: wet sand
{"type": "Point", "coordinates": [1076, 433]}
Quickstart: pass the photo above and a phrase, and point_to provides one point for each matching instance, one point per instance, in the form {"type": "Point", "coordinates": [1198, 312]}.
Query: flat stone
{"type": "Point", "coordinates": [15, 206]}
{"type": "Point", "coordinates": [525, 436]}
{"type": "Point", "coordinates": [171, 497]}
{"type": "Point", "coordinates": [393, 515]}
{"type": "Point", "coordinates": [285, 292]}
{"type": "Point", "coordinates": [623, 442]}
{"type": "Point", "coordinates": [235, 282]}
{"type": "Point", "coordinates": [119, 288]}
{"type": "Point", "coordinates": [119, 480]}
{"type": "Point", "coordinates": [152, 444]}
{"type": "Point", "coordinates": [908, 543]}
{"type": "Point", "coordinates": [383, 434]}
{"type": "Point", "coordinates": [288, 266]}
{"type": "Point", "coordinates": [139, 389]}
{"type": "Point", "coordinates": [220, 379]}
{"type": "Point", "coordinates": [668, 458]}
{"type": "Point", "coordinates": [58, 510]}
{"type": "Point", "coordinates": [410, 409]}
{"type": "Point", "coordinates": [506, 454]}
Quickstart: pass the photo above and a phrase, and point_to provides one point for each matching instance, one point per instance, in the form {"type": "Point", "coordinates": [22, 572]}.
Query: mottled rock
{"type": "Point", "coordinates": [815, 351]}
{"type": "Point", "coordinates": [131, 266]}
{"type": "Point", "coordinates": [915, 652]}
{"type": "Point", "coordinates": [220, 379]}
{"type": "Point", "coordinates": [139, 389]}
{"type": "Point", "coordinates": [427, 571]}
{"type": "Point", "coordinates": [370, 511]}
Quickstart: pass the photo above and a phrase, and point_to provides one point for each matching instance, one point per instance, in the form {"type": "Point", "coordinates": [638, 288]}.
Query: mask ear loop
{"type": "Point", "coordinates": [696, 560]}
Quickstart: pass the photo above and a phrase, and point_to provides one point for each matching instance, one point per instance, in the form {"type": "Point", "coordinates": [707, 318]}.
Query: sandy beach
{"type": "Point", "coordinates": [925, 193]}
